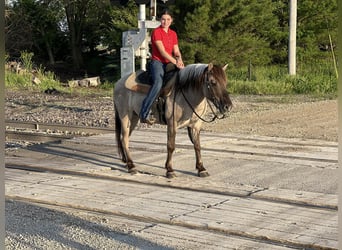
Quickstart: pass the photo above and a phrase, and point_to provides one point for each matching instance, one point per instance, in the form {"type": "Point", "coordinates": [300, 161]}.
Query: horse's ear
{"type": "Point", "coordinates": [225, 67]}
{"type": "Point", "coordinates": [210, 66]}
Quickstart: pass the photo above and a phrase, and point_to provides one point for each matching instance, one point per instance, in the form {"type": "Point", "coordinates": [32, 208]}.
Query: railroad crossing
{"type": "Point", "coordinates": [262, 193]}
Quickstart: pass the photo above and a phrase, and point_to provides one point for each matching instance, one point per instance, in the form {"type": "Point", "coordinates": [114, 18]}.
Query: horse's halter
{"type": "Point", "coordinates": [208, 83]}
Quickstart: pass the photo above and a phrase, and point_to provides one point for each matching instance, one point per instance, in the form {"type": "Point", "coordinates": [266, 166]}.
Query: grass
{"type": "Point", "coordinates": [48, 80]}
{"type": "Point", "coordinates": [23, 82]}
{"type": "Point", "coordinates": [316, 79]}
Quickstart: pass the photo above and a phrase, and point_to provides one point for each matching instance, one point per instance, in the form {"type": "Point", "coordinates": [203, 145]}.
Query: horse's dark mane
{"type": "Point", "coordinates": [192, 76]}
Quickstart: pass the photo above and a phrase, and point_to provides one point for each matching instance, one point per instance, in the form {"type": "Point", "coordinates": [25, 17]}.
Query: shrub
{"type": "Point", "coordinates": [316, 79]}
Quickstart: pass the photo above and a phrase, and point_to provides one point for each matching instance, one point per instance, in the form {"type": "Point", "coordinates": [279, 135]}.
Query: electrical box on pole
{"type": "Point", "coordinates": [135, 42]}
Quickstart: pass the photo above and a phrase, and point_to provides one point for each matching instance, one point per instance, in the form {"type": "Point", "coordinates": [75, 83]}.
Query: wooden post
{"type": "Point", "coordinates": [292, 37]}
{"type": "Point", "coordinates": [333, 56]}
{"type": "Point", "coordinates": [250, 70]}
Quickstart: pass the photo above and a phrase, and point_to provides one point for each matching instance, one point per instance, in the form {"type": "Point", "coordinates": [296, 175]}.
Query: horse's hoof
{"type": "Point", "coordinates": [133, 171]}
{"type": "Point", "coordinates": [203, 174]}
{"type": "Point", "coordinates": [170, 175]}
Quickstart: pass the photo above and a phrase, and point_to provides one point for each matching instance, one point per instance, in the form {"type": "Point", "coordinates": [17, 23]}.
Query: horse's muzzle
{"type": "Point", "coordinates": [225, 107]}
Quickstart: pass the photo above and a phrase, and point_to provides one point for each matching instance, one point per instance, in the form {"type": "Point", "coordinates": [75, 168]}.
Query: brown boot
{"type": "Point", "coordinates": [147, 121]}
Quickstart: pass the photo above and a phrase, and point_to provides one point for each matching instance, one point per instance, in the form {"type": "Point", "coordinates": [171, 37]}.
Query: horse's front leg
{"type": "Point", "coordinates": [194, 135]}
{"type": "Point", "coordinates": [171, 139]}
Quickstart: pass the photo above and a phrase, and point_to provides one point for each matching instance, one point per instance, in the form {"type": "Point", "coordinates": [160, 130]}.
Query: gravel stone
{"type": "Point", "coordinates": [279, 116]}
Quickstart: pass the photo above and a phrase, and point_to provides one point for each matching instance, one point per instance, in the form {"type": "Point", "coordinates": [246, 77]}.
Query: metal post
{"type": "Point", "coordinates": [127, 61]}
{"type": "Point", "coordinates": [143, 46]}
{"type": "Point", "coordinates": [153, 4]}
{"type": "Point", "coordinates": [134, 43]}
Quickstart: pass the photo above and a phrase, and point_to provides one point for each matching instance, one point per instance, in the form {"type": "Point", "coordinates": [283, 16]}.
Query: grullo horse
{"type": "Point", "coordinates": [191, 91]}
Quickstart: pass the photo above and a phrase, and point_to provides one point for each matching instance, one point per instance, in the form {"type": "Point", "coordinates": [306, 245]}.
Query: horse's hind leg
{"type": "Point", "coordinates": [134, 122]}
{"type": "Point", "coordinates": [125, 133]}
{"type": "Point", "coordinates": [171, 139]}
{"type": "Point", "coordinates": [194, 135]}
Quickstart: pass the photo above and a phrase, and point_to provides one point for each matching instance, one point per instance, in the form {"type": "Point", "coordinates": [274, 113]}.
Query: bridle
{"type": "Point", "coordinates": [207, 82]}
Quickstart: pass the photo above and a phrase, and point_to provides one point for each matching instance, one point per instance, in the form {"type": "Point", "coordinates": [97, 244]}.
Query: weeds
{"type": "Point", "coordinates": [315, 78]}
{"type": "Point", "coordinates": [26, 58]}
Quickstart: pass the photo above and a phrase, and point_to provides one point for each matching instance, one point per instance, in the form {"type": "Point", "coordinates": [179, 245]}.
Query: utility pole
{"type": "Point", "coordinates": [2, 127]}
{"type": "Point", "coordinates": [292, 37]}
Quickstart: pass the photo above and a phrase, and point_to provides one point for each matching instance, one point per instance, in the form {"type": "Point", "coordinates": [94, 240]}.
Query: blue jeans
{"type": "Point", "coordinates": [157, 72]}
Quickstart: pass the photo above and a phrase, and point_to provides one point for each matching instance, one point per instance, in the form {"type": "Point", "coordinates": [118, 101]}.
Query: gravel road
{"type": "Point", "coordinates": [279, 116]}
{"type": "Point", "coordinates": [33, 226]}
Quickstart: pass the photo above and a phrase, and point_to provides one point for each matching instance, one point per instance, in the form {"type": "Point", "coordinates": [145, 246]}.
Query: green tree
{"type": "Point", "coordinates": [226, 31]}
{"type": "Point", "coordinates": [122, 18]}
{"type": "Point", "coordinates": [34, 26]}
{"type": "Point", "coordinates": [280, 34]}
{"type": "Point", "coordinates": [77, 14]}
{"type": "Point", "coordinates": [18, 31]}
{"type": "Point", "coordinates": [44, 16]}
{"type": "Point", "coordinates": [316, 21]}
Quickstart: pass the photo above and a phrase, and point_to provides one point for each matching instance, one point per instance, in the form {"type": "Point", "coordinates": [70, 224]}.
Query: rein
{"type": "Point", "coordinates": [211, 108]}
{"type": "Point", "coordinates": [193, 110]}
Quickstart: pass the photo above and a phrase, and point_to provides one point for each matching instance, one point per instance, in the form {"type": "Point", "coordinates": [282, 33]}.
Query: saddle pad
{"type": "Point", "coordinates": [133, 83]}
{"type": "Point", "coordinates": [138, 82]}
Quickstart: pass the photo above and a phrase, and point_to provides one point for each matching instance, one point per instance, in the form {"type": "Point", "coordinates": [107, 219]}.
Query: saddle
{"type": "Point", "coordinates": [141, 81]}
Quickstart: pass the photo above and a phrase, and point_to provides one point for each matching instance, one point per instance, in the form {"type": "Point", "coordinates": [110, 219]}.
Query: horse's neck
{"type": "Point", "coordinates": [194, 96]}
{"type": "Point", "coordinates": [170, 85]}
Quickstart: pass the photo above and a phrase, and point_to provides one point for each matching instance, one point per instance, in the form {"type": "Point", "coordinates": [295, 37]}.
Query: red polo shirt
{"type": "Point", "coordinates": [169, 40]}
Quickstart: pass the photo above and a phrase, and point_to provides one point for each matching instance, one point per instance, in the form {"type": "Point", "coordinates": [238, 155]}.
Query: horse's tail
{"type": "Point", "coordinates": [118, 129]}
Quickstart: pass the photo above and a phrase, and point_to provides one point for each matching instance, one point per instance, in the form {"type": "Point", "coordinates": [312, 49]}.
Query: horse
{"type": "Point", "coordinates": [192, 89]}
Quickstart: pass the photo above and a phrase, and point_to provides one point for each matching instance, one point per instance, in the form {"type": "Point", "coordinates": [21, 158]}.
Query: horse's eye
{"type": "Point", "coordinates": [213, 83]}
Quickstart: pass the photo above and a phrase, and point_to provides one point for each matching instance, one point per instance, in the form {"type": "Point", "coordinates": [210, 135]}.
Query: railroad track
{"type": "Point", "coordinates": [39, 132]}
{"type": "Point", "coordinates": [85, 174]}
{"type": "Point", "coordinates": [194, 211]}
{"type": "Point", "coordinates": [188, 205]}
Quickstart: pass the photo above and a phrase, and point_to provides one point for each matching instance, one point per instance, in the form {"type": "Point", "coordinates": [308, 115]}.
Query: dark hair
{"type": "Point", "coordinates": [165, 12]}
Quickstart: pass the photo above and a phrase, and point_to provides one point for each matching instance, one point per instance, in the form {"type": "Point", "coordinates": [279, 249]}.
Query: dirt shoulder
{"type": "Point", "coordinates": [291, 117]}
{"type": "Point", "coordinates": [279, 116]}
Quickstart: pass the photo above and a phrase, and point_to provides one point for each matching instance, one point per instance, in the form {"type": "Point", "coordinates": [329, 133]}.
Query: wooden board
{"type": "Point", "coordinates": [280, 223]}
{"type": "Point", "coordinates": [307, 180]}
{"type": "Point", "coordinates": [263, 189]}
